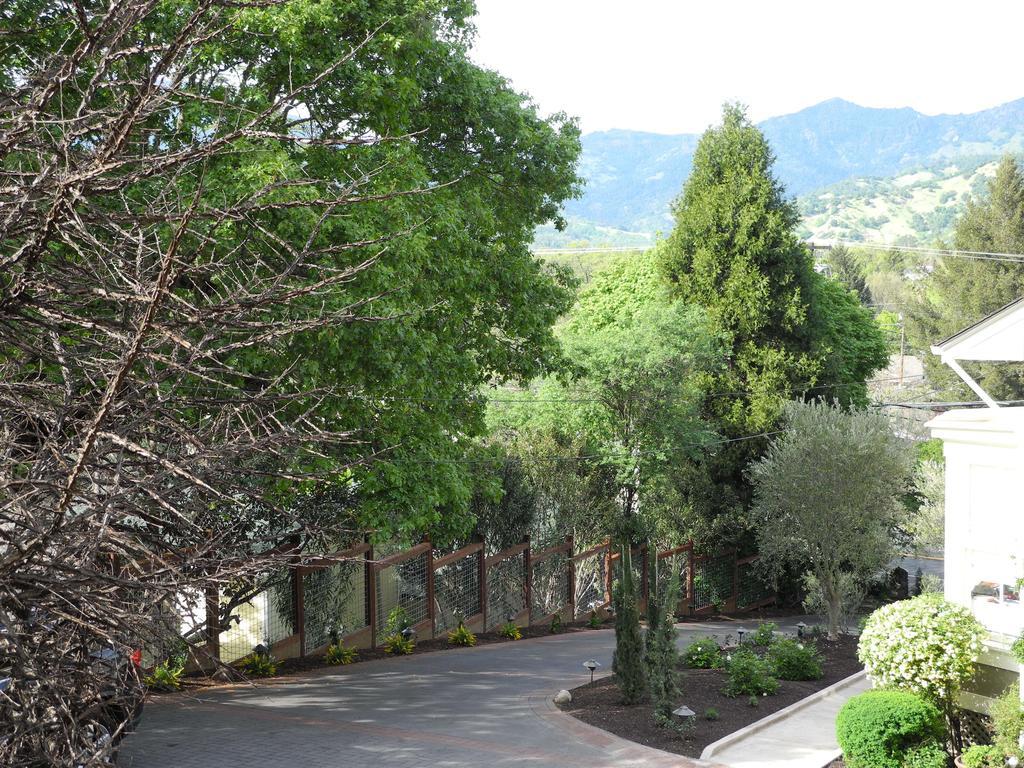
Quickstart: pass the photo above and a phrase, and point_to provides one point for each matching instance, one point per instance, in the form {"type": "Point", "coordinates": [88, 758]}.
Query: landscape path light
{"type": "Point", "coordinates": [592, 666]}
{"type": "Point", "coordinates": [409, 634]}
{"type": "Point", "coordinates": [684, 714]}
{"type": "Point", "coordinates": [800, 629]}
{"type": "Point", "coordinates": [741, 632]}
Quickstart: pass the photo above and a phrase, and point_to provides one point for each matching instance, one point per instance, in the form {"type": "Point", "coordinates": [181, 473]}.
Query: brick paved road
{"type": "Point", "coordinates": [463, 708]}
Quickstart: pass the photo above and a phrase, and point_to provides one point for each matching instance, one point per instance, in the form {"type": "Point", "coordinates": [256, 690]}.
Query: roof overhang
{"type": "Point", "coordinates": [996, 338]}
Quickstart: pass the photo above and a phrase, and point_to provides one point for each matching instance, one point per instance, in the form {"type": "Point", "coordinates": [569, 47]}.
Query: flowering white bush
{"type": "Point", "coordinates": [926, 645]}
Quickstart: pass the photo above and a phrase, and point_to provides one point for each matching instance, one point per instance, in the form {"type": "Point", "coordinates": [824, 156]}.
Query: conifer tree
{"type": "Point", "coordinates": [662, 655]}
{"type": "Point", "coordinates": [628, 659]}
{"type": "Point", "coordinates": [735, 252]}
{"type": "Point", "coordinates": [960, 291]}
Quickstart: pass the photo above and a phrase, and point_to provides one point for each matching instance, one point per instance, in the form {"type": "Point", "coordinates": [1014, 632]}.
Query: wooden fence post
{"type": "Point", "coordinates": [213, 622]}
{"type": "Point", "coordinates": [645, 586]}
{"type": "Point", "coordinates": [691, 599]}
{"type": "Point", "coordinates": [528, 574]}
{"type": "Point", "coordinates": [482, 565]}
{"type": "Point", "coordinates": [608, 572]}
{"type": "Point", "coordinates": [430, 586]}
{"type": "Point", "coordinates": [371, 596]}
{"type": "Point", "coordinates": [571, 576]}
{"type": "Point", "coordinates": [299, 596]}
{"type": "Point", "coordinates": [735, 580]}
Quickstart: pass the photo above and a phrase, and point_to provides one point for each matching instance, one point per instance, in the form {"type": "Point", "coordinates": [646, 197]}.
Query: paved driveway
{"type": "Point", "coordinates": [464, 708]}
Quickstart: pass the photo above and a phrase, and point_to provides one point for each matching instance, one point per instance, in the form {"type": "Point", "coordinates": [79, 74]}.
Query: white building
{"type": "Point", "coordinates": [984, 451]}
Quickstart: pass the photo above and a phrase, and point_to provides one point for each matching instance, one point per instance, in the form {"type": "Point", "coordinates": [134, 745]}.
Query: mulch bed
{"type": "Point", "coordinates": [600, 704]}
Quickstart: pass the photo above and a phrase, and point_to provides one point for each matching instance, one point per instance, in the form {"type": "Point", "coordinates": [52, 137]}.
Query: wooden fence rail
{"type": "Point", "coordinates": [350, 595]}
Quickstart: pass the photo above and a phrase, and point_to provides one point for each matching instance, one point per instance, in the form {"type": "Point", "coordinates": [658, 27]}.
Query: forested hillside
{"type": "Point", "coordinates": [632, 177]}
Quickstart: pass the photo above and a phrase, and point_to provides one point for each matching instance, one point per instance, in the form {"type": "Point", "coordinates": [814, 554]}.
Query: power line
{"type": "Point", "coordinates": [1014, 258]}
{"type": "Point", "coordinates": [954, 252]}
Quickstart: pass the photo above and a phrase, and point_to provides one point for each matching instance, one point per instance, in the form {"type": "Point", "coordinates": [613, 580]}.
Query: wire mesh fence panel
{"type": "Point", "coordinates": [506, 590]}
{"type": "Point", "coordinates": [549, 586]}
{"type": "Point", "coordinates": [750, 587]}
{"type": "Point", "coordinates": [402, 588]}
{"type": "Point", "coordinates": [712, 581]}
{"type": "Point", "coordinates": [665, 567]}
{"type": "Point", "coordinates": [335, 602]}
{"type": "Point", "coordinates": [457, 592]}
{"type": "Point", "coordinates": [591, 581]}
{"type": "Point", "coordinates": [172, 623]}
{"type": "Point", "coordinates": [636, 560]}
{"type": "Point", "coordinates": [267, 617]}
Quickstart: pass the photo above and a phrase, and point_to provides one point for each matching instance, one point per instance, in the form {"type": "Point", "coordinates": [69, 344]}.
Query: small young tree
{"type": "Point", "coordinates": [628, 658]}
{"type": "Point", "coordinates": [662, 656]}
{"type": "Point", "coordinates": [826, 497]}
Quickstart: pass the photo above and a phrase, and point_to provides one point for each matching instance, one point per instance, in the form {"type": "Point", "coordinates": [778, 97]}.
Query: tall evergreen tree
{"type": "Point", "coordinates": [628, 658]}
{"type": "Point", "coordinates": [735, 252]}
{"type": "Point", "coordinates": [662, 656]}
{"type": "Point", "coordinates": [960, 291]}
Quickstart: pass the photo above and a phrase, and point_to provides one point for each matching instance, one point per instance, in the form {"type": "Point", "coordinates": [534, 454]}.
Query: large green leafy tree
{"type": "Point", "coordinates": [628, 411]}
{"type": "Point", "coordinates": [787, 330]}
{"type": "Point", "coordinates": [244, 247]}
{"type": "Point", "coordinates": [960, 291]}
{"type": "Point", "coordinates": [451, 297]}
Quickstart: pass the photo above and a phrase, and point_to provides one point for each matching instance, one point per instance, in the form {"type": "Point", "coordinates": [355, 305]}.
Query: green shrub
{"type": "Point", "coordinates": [980, 756]}
{"type": "Point", "coordinates": [710, 713]}
{"type": "Point", "coordinates": [754, 701]}
{"type": "Point", "coordinates": [764, 635]}
{"type": "Point", "coordinates": [461, 636]}
{"type": "Point", "coordinates": [340, 654]}
{"type": "Point", "coordinates": [703, 654]}
{"type": "Point", "coordinates": [748, 673]}
{"type": "Point", "coordinates": [926, 645]}
{"type": "Point", "coordinates": [398, 620]}
{"type": "Point", "coordinates": [926, 756]}
{"type": "Point", "coordinates": [1017, 649]}
{"type": "Point", "coordinates": [259, 665]}
{"type": "Point", "coordinates": [877, 729]}
{"type": "Point", "coordinates": [510, 631]}
{"type": "Point", "coordinates": [556, 624]}
{"type": "Point", "coordinates": [165, 676]}
{"type": "Point", "coordinates": [398, 645]}
{"type": "Point", "coordinates": [791, 660]}
{"type": "Point", "coordinates": [1008, 722]}
{"type": "Point", "coordinates": [594, 622]}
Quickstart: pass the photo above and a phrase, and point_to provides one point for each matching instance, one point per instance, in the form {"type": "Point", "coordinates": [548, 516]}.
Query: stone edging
{"type": "Point", "coordinates": [711, 749]}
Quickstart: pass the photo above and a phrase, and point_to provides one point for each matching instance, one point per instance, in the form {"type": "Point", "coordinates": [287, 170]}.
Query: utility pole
{"type": "Point", "coordinates": [903, 348]}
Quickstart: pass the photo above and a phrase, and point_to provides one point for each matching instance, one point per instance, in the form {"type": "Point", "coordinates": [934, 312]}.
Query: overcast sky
{"type": "Point", "coordinates": [664, 66]}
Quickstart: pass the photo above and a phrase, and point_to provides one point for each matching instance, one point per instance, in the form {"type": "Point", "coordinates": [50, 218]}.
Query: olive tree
{"type": "Point", "coordinates": [827, 498]}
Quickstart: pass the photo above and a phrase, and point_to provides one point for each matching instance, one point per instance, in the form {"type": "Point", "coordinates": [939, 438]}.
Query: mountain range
{"type": "Point", "coordinates": [632, 176]}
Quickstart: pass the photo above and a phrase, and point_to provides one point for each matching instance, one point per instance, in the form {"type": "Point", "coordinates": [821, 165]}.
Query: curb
{"type": "Point", "coordinates": [711, 749]}
{"type": "Point", "coordinates": [617, 747]}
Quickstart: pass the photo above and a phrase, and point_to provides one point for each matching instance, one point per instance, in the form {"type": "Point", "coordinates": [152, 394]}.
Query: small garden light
{"type": "Point", "coordinates": [741, 632]}
{"type": "Point", "coordinates": [800, 629]}
{"type": "Point", "coordinates": [684, 714]}
{"type": "Point", "coordinates": [409, 633]}
{"type": "Point", "coordinates": [592, 666]}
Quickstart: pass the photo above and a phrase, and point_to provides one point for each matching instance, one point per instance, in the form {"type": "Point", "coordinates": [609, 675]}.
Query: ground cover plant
{"type": "Point", "coordinates": [748, 674]}
{"type": "Point", "coordinates": [793, 660]}
{"type": "Point", "coordinates": [461, 636]}
{"type": "Point", "coordinates": [704, 653]}
{"type": "Point", "coordinates": [340, 654]}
